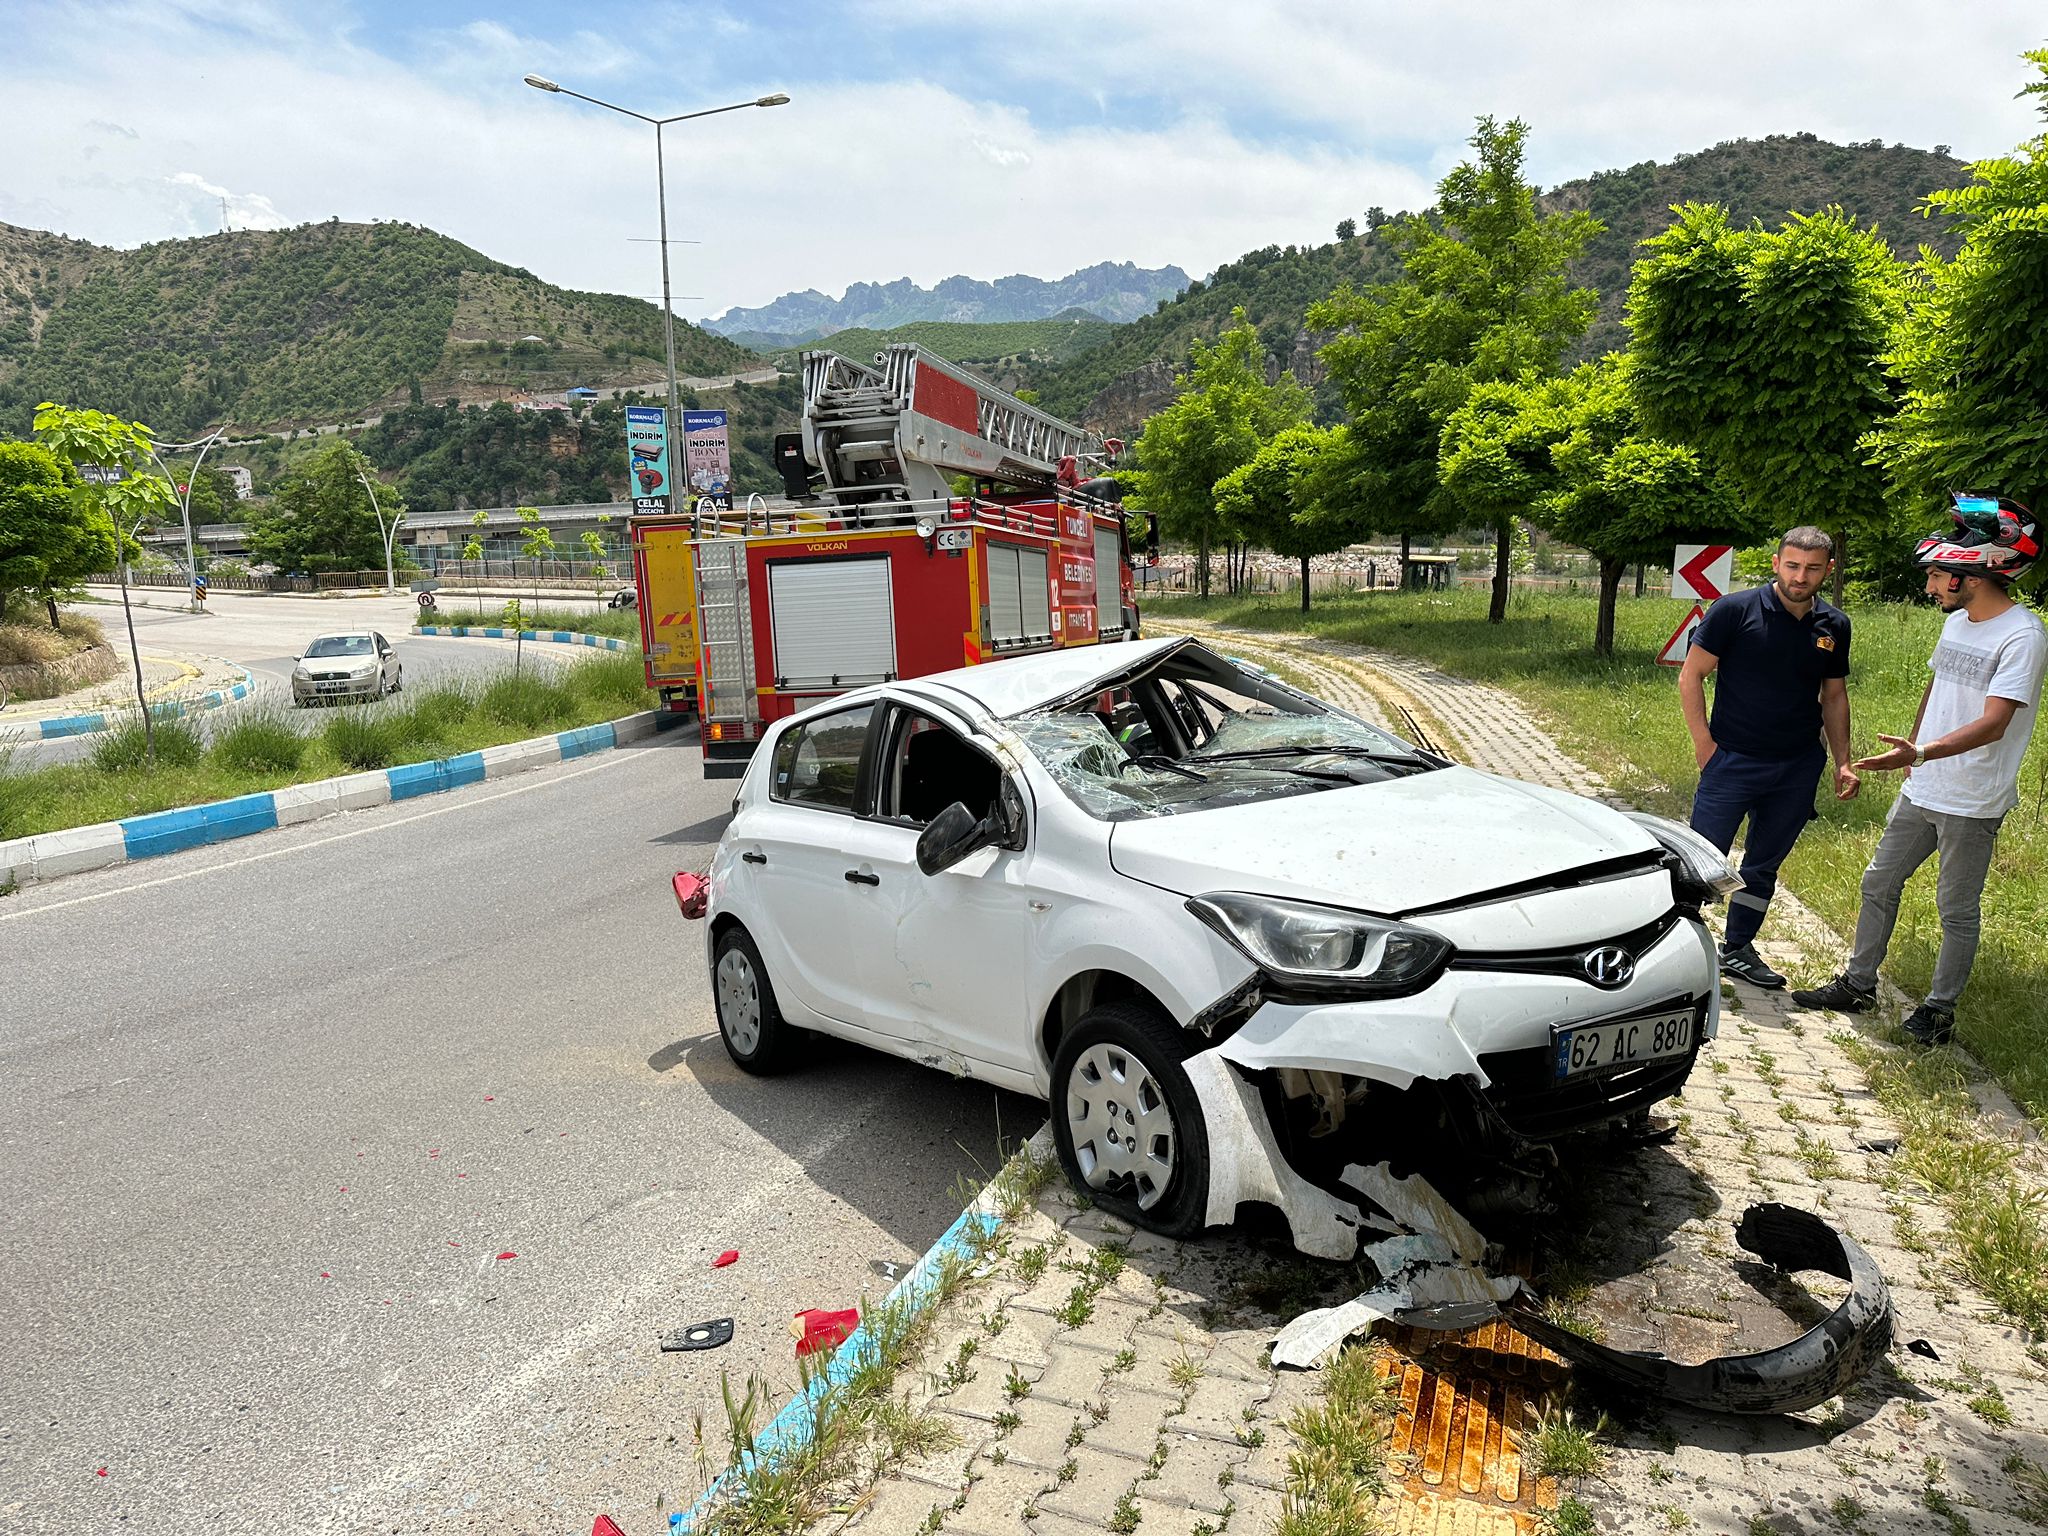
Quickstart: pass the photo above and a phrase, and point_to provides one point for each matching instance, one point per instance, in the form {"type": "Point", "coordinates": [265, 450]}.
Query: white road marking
{"type": "Point", "coordinates": [611, 760]}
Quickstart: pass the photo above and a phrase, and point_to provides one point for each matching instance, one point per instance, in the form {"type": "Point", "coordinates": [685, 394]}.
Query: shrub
{"type": "Point", "coordinates": [426, 724]}
{"type": "Point", "coordinates": [260, 742]}
{"type": "Point", "coordinates": [528, 700]}
{"type": "Point", "coordinates": [126, 747]}
{"type": "Point", "coordinates": [361, 739]}
{"type": "Point", "coordinates": [611, 677]}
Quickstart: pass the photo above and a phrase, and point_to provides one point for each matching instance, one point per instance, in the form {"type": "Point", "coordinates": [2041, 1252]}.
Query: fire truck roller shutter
{"type": "Point", "coordinates": [1109, 612]}
{"type": "Point", "coordinates": [832, 619]}
{"type": "Point", "coordinates": [1019, 601]}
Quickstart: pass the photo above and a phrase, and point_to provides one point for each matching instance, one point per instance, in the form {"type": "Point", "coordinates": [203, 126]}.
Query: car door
{"type": "Point", "coordinates": [943, 958]}
{"type": "Point", "coordinates": [387, 661]}
{"type": "Point", "coordinates": [791, 844]}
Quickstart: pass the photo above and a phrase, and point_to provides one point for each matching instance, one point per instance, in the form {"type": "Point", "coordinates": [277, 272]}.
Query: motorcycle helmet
{"type": "Point", "coordinates": [1993, 536]}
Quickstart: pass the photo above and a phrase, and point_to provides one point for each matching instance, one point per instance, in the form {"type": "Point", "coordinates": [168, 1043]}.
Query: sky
{"type": "Point", "coordinates": [924, 139]}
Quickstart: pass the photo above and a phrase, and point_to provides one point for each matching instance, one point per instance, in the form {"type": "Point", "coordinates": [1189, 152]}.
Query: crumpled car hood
{"type": "Point", "coordinates": [1388, 848]}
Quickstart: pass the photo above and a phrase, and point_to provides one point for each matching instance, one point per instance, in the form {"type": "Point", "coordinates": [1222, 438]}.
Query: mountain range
{"type": "Point", "coordinates": [1115, 386]}
{"type": "Point", "coordinates": [1109, 290]}
{"type": "Point", "coordinates": [317, 324]}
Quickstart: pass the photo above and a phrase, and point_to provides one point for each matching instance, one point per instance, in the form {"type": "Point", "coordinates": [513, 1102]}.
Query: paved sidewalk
{"type": "Point", "coordinates": [1108, 1380]}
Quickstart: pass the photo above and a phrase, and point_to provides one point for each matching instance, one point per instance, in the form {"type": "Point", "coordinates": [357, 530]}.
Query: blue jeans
{"type": "Point", "coordinates": [1776, 794]}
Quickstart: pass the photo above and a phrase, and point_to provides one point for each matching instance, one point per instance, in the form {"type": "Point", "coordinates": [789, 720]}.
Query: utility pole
{"type": "Point", "coordinates": [223, 213]}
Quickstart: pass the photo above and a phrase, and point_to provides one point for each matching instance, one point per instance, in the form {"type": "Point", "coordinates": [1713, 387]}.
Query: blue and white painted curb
{"type": "Point", "coordinates": [46, 855]}
{"type": "Point", "coordinates": [791, 1429]}
{"type": "Point", "coordinates": [170, 709]}
{"type": "Point", "coordinates": [557, 636]}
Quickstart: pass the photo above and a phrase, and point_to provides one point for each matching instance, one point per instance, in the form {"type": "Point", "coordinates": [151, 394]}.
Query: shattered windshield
{"type": "Point", "coordinates": [1198, 731]}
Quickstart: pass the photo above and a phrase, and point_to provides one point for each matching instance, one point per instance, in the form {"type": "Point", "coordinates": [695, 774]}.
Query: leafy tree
{"type": "Point", "coordinates": [1483, 296]}
{"type": "Point", "coordinates": [1225, 411]}
{"type": "Point", "coordinates": [51, 535]}
{"type": "Point", "coordinates": [1347, 229]}
{"type": "Point", "coordinates": [95, 438]}
{"type": "Point", "coordinates": [536, 543]}
{"type": "Point", "coordinates": [1972, 351]}
{"type": "Point", "coordinates": [1270, 500]}
{"type": "Point", "coordinates": [1493, 458]}
{"type": "Point", "coordinates": [1764, 350]}
{"type": "Point", "coordinates": [321, 518]}
{"type": "Point", "coordinates": [1625, 497]}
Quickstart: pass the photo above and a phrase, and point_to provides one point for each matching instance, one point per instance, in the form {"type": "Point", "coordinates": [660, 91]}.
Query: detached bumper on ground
{"type": "Point", "coordinates": [1821, 1363]}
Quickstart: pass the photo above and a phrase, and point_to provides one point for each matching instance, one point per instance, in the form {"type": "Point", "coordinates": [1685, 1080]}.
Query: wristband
{"type": "Point", "coordinates": [1919, 754]}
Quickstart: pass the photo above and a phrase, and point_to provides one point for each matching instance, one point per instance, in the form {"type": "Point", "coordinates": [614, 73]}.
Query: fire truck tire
{"type": "Point", "coordinates": [1126, 1121]}
{"type": "Point", "coordinates": [752, 1027]}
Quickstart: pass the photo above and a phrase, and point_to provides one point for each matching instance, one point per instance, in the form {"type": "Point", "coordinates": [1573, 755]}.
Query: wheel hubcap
{"type": "Point", "coordinates": [739, 1002]}
{"type": "Point", "coordinates": [1121, 1125]}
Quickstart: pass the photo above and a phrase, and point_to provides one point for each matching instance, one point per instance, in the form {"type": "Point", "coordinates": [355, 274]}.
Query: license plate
{"type": "Point", "coordinates": [1613, 1043]}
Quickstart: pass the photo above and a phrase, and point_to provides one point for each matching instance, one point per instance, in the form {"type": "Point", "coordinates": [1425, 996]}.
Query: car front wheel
{"type": "Point", "coordinates": [1126, 1120]}
{"type": "Point", "coordinates": [749, 1023]}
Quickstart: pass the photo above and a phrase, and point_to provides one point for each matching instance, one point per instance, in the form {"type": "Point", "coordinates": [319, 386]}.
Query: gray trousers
{"type": "Point", "coordinates": [1910, 835]}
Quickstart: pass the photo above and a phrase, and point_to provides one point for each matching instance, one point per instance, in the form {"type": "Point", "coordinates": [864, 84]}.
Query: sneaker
{"type": "Point", "coordinates": [1838, 996]}
{"type": "Point", "coordinates": [1930, 1024]}
{"type": "Point", "coordinates": [1745, 964]}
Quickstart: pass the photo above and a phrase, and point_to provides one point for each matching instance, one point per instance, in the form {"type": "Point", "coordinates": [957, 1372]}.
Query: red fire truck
{"type": "Point", "coordinates": [878, 569]}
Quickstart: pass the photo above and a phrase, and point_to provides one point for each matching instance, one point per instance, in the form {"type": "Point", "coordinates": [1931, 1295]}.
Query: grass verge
{"type": "Point", "coordinates": [1999, 1223]}
{"type": "Point", "coordinates": [456, 611]}
{"type": "Point", "coordinates": [860, 1427]}
{"type": "Point", "coordinates": [1620, 715]}
{"type": "Point", "coordinates": [261, 750]}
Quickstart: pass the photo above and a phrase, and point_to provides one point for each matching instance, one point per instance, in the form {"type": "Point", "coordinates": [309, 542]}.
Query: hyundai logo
{"type": "Point", "coordinates": [1608, 966]}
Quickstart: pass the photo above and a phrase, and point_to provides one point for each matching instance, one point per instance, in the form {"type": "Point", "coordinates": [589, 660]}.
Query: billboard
{"type": "Point", "coordinates": [647, 456]}
{"type": "Point", "coordinates": [707, 453]}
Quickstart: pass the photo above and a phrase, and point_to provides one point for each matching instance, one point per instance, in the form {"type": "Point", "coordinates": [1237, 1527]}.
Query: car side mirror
{"type": "Point", "coordinates": [950, 836]}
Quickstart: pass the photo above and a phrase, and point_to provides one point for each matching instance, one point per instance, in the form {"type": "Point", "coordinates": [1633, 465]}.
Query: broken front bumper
{"type": "Point", "coordinates": [1821, 1363]}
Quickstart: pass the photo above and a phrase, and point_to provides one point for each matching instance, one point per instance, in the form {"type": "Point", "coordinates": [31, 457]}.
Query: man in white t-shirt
{"type": "Point", "coordinates": [1962, 760]}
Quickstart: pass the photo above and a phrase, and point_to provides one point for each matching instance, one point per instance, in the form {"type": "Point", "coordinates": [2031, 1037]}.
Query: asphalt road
{"type": "Point", "coordinates": [353, 1168]}
{"type": "Point", "coordinates": [268, 635]}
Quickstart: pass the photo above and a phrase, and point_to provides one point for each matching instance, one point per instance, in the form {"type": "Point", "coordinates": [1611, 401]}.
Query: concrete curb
{"type": "Point", "coordinates": [170, 709]}
{"type": "Point", "coordinates": [556, 636]}
{"type": "Point", "coordinates": [46, 855]}
{"type": "Point", "coordinates": [791, 1429]}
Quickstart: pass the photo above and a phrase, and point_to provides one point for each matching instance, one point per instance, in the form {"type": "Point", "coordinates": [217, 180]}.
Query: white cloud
{"type": "Point", "coordinates": [242, 210]}
{"type": "Point", "coordinates": [1270, 123]}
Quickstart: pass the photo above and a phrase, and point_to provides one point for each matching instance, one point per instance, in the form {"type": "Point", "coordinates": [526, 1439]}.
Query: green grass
{"type": "Point", "coordinates": [260, 742]}
{"type": "Point", "coordinates": [259, 751]}
{"type": "Point", "coordinates": [135, 748]}
{"type": "Point", "coordinates": [1620, 716]}
{"type": "Point", "coordinates": [458, 610]}
{"type": "Point", "coordinates": [1337, 1471]}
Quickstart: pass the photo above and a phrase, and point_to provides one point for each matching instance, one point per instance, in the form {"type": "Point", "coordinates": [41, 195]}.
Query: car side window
{"type": "Point", "coordinates": [928, 767]}
{"type": "Point", "coordinates": [818, 763]}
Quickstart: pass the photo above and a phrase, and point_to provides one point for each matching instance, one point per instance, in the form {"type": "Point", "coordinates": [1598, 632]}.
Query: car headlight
{"type": "Point", "coordinates": [1703, 872]}
{"type": "Point", "coordinates": [362, 669]}
{"type": "Point", "coordinates": [1325, 949]}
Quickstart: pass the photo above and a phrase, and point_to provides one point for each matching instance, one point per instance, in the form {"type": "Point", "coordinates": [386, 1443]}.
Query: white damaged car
{"type": "Point", "coordinates": [1238, 939]}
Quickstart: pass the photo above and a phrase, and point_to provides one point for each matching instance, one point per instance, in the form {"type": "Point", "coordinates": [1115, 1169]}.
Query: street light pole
{"type": "Point", "coordinates": [390, 575]}
{"type": "Point", "coordinates": [185, 503]}
{"type": "Point", "coordinates": [674, 435]}
{"type": "Point", "coordinates": [668, 310]}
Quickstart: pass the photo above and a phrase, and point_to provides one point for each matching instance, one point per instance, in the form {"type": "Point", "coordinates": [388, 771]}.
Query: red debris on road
{"type": "Point", "coordinates": [730, 1256]}
{"type": "Point", "coordinates": [814, 1330]}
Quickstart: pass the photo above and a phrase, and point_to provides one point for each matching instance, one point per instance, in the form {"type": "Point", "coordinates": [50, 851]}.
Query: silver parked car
{"type": "Point", "coordinates": [356, 665]}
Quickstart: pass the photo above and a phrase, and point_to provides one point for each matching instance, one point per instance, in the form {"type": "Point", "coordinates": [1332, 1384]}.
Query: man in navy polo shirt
{"type": "Point", "coordinates": [1782, 659]}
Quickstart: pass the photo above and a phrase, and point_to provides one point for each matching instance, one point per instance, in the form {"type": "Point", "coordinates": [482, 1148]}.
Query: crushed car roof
{"type": "Point", "coordinates": [1019, 684]}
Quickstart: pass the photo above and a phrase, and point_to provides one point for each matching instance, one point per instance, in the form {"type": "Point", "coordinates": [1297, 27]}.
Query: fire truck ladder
{"type": "Point", "coordinates": [725, 627]}
{"type": "Point", "coordinates": [899, 430]}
